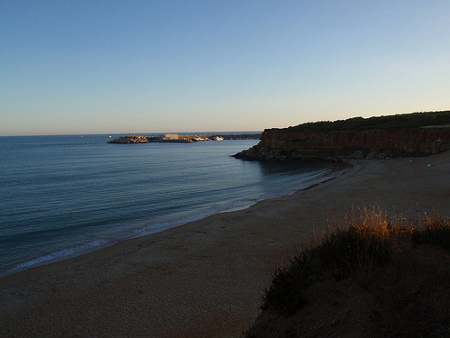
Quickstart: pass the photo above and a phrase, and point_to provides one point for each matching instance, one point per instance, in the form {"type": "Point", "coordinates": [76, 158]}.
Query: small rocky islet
{"type": "Point", "coordinates": [175, 138]}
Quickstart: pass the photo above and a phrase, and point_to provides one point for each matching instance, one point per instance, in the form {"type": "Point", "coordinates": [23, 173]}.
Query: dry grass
{"type": "Point", "coordinates": [394, 272]}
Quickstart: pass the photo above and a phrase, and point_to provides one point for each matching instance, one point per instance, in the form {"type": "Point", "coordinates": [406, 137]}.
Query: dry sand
{"type": "Point", "coordinates": [205, 279]}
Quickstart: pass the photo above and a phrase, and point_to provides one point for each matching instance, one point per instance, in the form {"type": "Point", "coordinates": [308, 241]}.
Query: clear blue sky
{"type": "Point", "coordinates": [98, 66]}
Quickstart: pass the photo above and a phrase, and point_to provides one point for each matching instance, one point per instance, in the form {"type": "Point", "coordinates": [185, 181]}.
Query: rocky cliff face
{"type": "Point", "coordinates": [282, 144]}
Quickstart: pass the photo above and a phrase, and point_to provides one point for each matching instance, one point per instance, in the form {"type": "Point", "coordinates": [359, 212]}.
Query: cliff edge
{"type": "Point", "coordinates": [311, 142]}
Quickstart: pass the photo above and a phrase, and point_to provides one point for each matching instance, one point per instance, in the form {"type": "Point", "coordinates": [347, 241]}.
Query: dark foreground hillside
{"type": "Point", "coordinates": [367, 278]}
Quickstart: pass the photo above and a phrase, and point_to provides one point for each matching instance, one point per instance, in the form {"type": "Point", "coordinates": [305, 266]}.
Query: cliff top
{"type": "Point", "coordinates": [389, 122]}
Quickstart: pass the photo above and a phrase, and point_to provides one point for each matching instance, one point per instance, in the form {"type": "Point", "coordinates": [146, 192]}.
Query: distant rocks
{"type": "Point", "coordinates": [175, 138]}
{"type": "Point", "coordinates": [134, 139]}
{"type": "Point", "coordinates": [359, 155]}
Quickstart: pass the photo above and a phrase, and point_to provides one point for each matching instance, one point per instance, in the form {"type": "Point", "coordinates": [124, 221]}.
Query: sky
{"type": "Point", "coordinates": [111, 66]}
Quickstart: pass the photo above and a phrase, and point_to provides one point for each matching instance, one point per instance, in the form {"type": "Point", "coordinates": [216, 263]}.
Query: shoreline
{"type": "Point", "coordinates": [206, 277]}
{"type": "Point", "coordinates": [90, 247]}
{"type": "Point", "coordinates": [308, 185]}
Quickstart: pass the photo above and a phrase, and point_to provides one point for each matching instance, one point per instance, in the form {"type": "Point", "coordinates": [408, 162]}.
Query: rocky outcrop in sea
{"type": "Point", "coordinates": [134, 139]}
{"type": "Point", "coordinates": [175, 138]}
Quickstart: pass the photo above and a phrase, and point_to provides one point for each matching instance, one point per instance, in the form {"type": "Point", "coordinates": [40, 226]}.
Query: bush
{"type": "Point", "coordinates": [357, 244]}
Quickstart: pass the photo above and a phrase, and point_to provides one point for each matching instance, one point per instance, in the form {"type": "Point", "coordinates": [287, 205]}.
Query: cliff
{"type": "Point", "coordinates": [284, 144]}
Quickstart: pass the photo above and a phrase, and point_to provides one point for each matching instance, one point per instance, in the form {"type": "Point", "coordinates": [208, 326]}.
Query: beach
{"type": "Point", "coordinates": [206, 278]}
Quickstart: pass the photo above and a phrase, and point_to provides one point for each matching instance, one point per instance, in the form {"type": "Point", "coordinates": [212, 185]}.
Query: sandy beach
{"type": "Point", "coordinates": [206, 278]}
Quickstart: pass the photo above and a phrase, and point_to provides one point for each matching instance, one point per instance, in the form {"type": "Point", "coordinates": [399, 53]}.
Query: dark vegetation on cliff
{"type": "Point", "coordinates": [390, 122]}
{"type": "Point", "coordinates": [370, 276]}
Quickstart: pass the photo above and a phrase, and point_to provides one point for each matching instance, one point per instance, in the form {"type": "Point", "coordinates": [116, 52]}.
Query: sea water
{"type": "Point", "coordinates": [64, 195]}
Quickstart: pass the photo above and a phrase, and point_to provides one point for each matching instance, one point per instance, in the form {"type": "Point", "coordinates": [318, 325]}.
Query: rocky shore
{"type": "Point", "coordinates": [134, 139]}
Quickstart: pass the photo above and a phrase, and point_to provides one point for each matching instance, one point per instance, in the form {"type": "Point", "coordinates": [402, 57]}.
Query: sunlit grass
{"type": "Point", "coordinates": [352, 246]}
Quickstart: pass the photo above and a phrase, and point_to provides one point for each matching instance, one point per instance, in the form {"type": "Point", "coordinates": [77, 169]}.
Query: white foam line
{"type": "Point", "coordinates": [56, 256]}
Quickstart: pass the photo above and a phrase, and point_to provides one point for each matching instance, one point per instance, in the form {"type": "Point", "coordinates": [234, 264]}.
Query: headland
{"type": "Point", "coordinates": [393, 136]}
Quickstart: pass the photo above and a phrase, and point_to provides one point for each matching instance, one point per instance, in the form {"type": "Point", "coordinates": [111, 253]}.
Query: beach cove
{"type": "Point", "coordinates": [206, 278]}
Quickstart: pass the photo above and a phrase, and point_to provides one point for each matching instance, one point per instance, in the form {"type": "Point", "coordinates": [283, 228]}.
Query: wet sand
{"type": "Point", "coordinates": [206, 278]}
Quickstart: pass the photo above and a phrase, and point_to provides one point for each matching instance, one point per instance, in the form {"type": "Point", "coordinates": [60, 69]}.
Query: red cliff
{"type": "Point", "coordinates": [279, 144]}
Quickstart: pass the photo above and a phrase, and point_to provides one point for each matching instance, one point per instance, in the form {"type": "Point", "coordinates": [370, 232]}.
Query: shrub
{"type": "Point", "coordinates": [354, 245]}
{"type": "Point", "coordinates": [435, 231]}
{"type": "Point", "coordinates": [345, 249]}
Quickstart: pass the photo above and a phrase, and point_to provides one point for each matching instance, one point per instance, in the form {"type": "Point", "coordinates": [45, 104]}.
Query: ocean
{"type": "Point", "coordinates": [65, 195]}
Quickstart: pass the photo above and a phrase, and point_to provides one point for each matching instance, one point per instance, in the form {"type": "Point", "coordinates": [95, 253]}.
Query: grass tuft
{"type": "Point", "coordinates": [354, 246]}
{"type": "Point", "coordinates": [435, 230]}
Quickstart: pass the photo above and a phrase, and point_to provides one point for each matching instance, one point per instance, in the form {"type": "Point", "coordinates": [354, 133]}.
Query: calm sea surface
{"type": "Point", "coordinates": [64, 195]}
